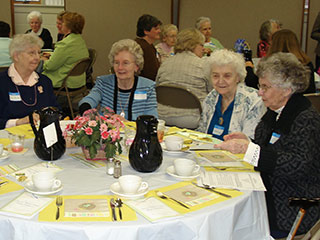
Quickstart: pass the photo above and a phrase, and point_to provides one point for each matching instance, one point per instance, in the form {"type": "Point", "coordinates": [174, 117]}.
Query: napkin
{"type": "Point", "coordinates": [9, 187]}
{"type": "Point", "coordinates": [24, 129]}
{"type": "Point", "coordinates": [5, 141]}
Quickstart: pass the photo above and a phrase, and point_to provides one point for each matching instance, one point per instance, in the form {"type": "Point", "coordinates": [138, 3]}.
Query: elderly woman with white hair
{"type": "Point", "coordinates": [34, 19]}
{"type": "Point", "coordinates": [22, 89]}
{"type": "Point", "coordinates": [231, 106]}
{"type": "Point", "coordinates": [168, 38]}
{"type": "Point", "coordinates": [285, 149]}
{"type": "Point", "coordinates": [203, 24]}
{"type": "Point", "coordinates": [126, 93]}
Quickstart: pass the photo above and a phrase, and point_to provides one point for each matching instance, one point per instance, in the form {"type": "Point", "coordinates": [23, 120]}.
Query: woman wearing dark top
{"type": "Point", "coordinates": [34, 19]}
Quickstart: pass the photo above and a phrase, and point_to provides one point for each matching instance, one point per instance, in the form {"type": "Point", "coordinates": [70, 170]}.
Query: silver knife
{"type": "Point", "coordinates": [112, 205]}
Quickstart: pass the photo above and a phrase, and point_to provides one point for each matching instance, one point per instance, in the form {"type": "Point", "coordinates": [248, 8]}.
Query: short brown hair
{"type": "Point", "coordinates": [188, 39]}
{"type": "Point", "coordinates": [74, 21]}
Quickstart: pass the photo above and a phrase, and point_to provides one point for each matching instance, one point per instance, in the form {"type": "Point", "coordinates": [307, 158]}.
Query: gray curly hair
{"type": "Point", "coordinates": [127, 45]}
{"type": "Point", "coordinates": [284, 70]}
{"type": "Point", "coordinates": [34, 14]}
{"type": "Point", "coordinates": [21, 42]}
{"type": "Point", "coordinates": [201, 20]}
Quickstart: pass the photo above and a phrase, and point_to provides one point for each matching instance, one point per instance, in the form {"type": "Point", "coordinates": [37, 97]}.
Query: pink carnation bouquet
{"type": "Point", "coordinates": [94, 132]}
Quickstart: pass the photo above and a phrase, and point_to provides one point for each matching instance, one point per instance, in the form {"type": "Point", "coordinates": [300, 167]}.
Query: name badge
{"type": "Point", "coordinates": [217, 130]}
{"type": "Point", "coordinates": [14, 96]}
{"type": "Point", "coordinates": [275, 137]}
{"type": "Point", "coordinates": [140, 95]}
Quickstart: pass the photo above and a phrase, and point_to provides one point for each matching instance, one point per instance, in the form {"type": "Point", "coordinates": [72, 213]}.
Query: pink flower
{"type": "Point", "coordinates": [88, 131]}
{"type": "Point", "coordinates": [115, 135]}
{"type": "Point", "coordinates": [103, 127]}
{"type": "Point", "coordinates": [105, 135]}
{"type": "Point", "coordinates": [92, 123]}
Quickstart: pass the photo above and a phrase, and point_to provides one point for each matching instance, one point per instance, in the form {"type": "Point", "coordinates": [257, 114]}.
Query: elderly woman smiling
{"type": "Point", "coordinates": [168, 37]}
{"type": "Point", "coordinates": [286, 144]}
{"type": "Point", "coordinates": [231, 106]}
{"type": "Point", "coordinates": [22, 89]}
{"type": "Point", "coordinates": [34, 19]}
{"type": "Point", "coordinates": [128, 95]}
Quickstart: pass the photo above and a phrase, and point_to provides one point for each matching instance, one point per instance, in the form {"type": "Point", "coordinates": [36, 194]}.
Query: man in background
{"type": "Point", "coordinates": [5, 59]}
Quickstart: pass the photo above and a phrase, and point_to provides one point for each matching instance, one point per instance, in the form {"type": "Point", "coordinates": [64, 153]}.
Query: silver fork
{"type": "Point", "coordinates": [59, 202]}
{"type": "Point", "coordinates": [206, 186]}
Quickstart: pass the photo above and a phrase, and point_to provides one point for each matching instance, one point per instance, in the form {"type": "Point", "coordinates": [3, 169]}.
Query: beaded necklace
{"type": "Point", "coordinates": [35, 97]}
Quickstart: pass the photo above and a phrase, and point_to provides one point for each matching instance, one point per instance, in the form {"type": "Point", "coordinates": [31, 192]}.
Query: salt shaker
{"type": "Point", "coordinates": [117, 169]}
{"type": "Point", "coordinates": [110, 166]}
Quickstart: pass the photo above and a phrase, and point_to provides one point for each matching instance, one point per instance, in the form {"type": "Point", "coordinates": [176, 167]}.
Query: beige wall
{"type": "Point", "coordinates": [108, 21]}
{"type": "Point", "coordinates": [314, 9]}
{"type": "Point", "coordinates": [241, 19]}
{"type": "Point", "coordinates": [5, 11]}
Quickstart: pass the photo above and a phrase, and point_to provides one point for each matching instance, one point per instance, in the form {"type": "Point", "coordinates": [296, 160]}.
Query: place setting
{"type": "Point", "coordinates": [174, 145]}
{"type": "Point", "coordinates": [184, 169]}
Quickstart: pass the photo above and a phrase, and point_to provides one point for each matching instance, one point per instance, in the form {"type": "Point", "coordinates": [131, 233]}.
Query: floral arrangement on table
{"type": "Point", "coordinates": [94, 132]}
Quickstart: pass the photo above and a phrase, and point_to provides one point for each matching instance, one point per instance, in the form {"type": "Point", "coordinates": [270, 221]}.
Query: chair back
{"type": "Point", "coordinates": [178, 97]}
{"type": "Point", "coordinates": [314, 99]}
{"type": "Point", "coordinates": [3, 68]}
{"type": "Point", "coordinates": [92, 56]}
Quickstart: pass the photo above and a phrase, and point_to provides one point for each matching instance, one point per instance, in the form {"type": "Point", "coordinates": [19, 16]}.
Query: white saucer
{"type": "Point", "coordinates": [4, 155]}
{"type": "Point", "coordinates": [32, 189]}
{"type": "Point", "coordinates": [172, 172]}
{"type": "Point", "coordinates": [116, 189]}
{"type": "Point", "coordinates": [175, 152]}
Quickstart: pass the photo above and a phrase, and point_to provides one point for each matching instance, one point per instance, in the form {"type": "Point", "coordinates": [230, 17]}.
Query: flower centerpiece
{"type": "Point", "coordinates": [97, 134]}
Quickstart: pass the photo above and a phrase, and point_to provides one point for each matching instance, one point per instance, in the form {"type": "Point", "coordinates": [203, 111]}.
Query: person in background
{"type": "Point", "coordinates": [285, 149]}
{"type": "Point", "coordinates": [59, 25]}
{"type": "Point", "coordinates": [168, 38]}
{"type": "Point", "coordinates": [230, 106]}
{"type": "Point", "coordinates": [267, 29]}
{"type": "Point", "coordinates": [203, 24]}
{"type": "Point", "coordinates": [5, 41]}
{"type": "Point", "coordinates": [315, 34]}
{"type": "Point", "coordinates": [185, 69]}
{"type": "Point", "coordinates": [34, 19]}
{"type": "Point", "coordinates": [148, 31]}
{"type": "Point", "coordinates": [126, 93]}
{"type": "Point", "coordinates": [22, 89]}
{"type": "Point", "coordinates": [285, 40]}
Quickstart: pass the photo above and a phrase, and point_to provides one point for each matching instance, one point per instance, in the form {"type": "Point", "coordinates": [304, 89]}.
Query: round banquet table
{"type": "Point", "coordinates": [243, 217]}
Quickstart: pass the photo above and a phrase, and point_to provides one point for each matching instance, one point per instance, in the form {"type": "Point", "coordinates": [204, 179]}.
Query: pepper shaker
{"type": "Point", "coordinates": [110, 166]}
{"type": "Point", "coordinates": [117, 169]}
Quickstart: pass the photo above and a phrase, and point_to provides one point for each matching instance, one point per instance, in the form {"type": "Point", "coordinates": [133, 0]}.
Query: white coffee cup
{"type": "Point", "coordinates": [1, 149]}
{"type": "Point", "coordinates": [45, 181]}
{"type": "Point", "coordinates": [173, 143]}
{"type": "Point", "coordinates": [132, 184]}
{"type": "Point", "coordinates": [185, 167]}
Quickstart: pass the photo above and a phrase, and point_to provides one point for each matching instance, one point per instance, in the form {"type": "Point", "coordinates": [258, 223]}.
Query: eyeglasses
{"type": "Point", "coordinates": [124, 64]}
{"type": "Point", "coordinates": [263, 87]}
{"type": "Point", "coordinates": [33, 53]}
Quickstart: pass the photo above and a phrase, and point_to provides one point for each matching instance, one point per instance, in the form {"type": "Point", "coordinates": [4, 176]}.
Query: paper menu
{"type": "Point", "coordinates": [236, 180]}
{"type": "Point", "coordinates": [86, 208]}
{"type": "Point", "coordinates": [25, 205]}
{"type": "Point", "coordinates": [152, 209]}
{"type": "Point", "coordinates": [7, 169]}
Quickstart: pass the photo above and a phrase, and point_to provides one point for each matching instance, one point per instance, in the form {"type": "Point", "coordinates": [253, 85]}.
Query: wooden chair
{"type": "Point", "coordinates": [93, 57]}
{"type": "Point", "coordinates": [79, 68]}
{"type": "Point", "coordinates": [314, 99]}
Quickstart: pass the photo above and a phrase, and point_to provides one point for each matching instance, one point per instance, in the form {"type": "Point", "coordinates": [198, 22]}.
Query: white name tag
{"type": "Point", "coordinates": [218, 130]}
{"type": "Point", "coordinates": [50, 134]}
{"type": "Point", "coordinates": [140, 95]}
{"type": "Point", "coordinates": [275, 137]}
{"type": "Point", "coordinates": [14, 96]}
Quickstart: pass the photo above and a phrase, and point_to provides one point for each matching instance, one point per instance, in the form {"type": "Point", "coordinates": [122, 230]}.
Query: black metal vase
{"type": "Point", "coordinates": [145, 154]}
{"type": "Point", "coordinates": [48, 116]}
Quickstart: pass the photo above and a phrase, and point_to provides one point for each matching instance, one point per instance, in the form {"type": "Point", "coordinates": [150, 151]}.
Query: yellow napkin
{"type": "Point", "coordinates": [9, 187]}
{"type": "Point", "coordinates": [24, 129]}
{"type": "Point", "coordinates": [5, 141]}
{"type": "Point", "coordinates": [131, 125]}
{"type": "Point", "coordinates": [49, 213]}
{"type": "Point", "coordinates": [183, 210]}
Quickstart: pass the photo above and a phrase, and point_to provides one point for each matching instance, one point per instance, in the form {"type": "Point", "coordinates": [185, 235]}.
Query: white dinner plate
{"type": "Point", "coordinates": [116, 189]}
{"type": "Point", "coordinates": [29, 187]}
{"type": "Point", "coordinates": [172, 172]}
{"type": "Point", "coordinates": [4, 155]}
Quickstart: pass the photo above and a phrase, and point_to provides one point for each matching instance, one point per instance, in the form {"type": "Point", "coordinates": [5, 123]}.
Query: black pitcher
{"type": "Point", "coordinates": [48, 115]}
{"type": "Point", "coordinates": [145, 154]}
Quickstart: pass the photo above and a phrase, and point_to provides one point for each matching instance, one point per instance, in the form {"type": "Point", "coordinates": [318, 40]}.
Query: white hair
{"type": "Point", "coordinates": [201, 20]}
{"type": "Point", "coordinates": [34, 14]}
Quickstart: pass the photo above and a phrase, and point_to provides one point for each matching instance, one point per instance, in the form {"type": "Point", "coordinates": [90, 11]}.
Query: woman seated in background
{"type": "Point", "coordinates": [34, 19]}
{"type": "Point", "coordinates": [67, 53]}
{"type": "Point", "coordinates": [230, 106]}
{"type": "Point", "coordinates": [23, 90]}
{"type": "Point", "coordinates": [203, 24]}
{"type": "Point", "coordinates": [286, 41]}
{"type": "Point", "coordinates": [126, 93]}
{"type": "Point", "coordinates": [285, 149]}
{"type": "Point", "coordinates": [59, 25]}
{"type": "Point", "coordinates": [267, 29]}
{"type": "Point", "coordinates": [185, 69]}
{"type": "Point", "coordinates": [168, 38]}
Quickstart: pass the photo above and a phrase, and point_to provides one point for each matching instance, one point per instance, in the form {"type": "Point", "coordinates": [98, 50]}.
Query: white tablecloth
{"type": "Point", "coordinates": [243, 217]}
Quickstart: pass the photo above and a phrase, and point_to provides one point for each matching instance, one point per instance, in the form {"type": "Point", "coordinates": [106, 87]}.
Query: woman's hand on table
{"type": "Point", "coordinates": [234, 146]}
{"type": "Point", "coordinates": [235, 135]}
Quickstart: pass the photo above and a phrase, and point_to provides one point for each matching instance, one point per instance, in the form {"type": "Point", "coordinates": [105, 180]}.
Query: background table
{"type": "Point", "coordinates": [243, 217]}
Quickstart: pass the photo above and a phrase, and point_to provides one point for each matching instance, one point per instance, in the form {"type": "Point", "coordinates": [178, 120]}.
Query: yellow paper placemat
{"type": "Point", "coordinates": [5, 141]}
{"type": "Point", "coordinates": [24, 129]}
{"type": "Point", "coordinates": [49, 213]}
{"type": "Point", "coordinates": [9, 187]}
{"type": "Point", "coordinates": [183, 210]}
